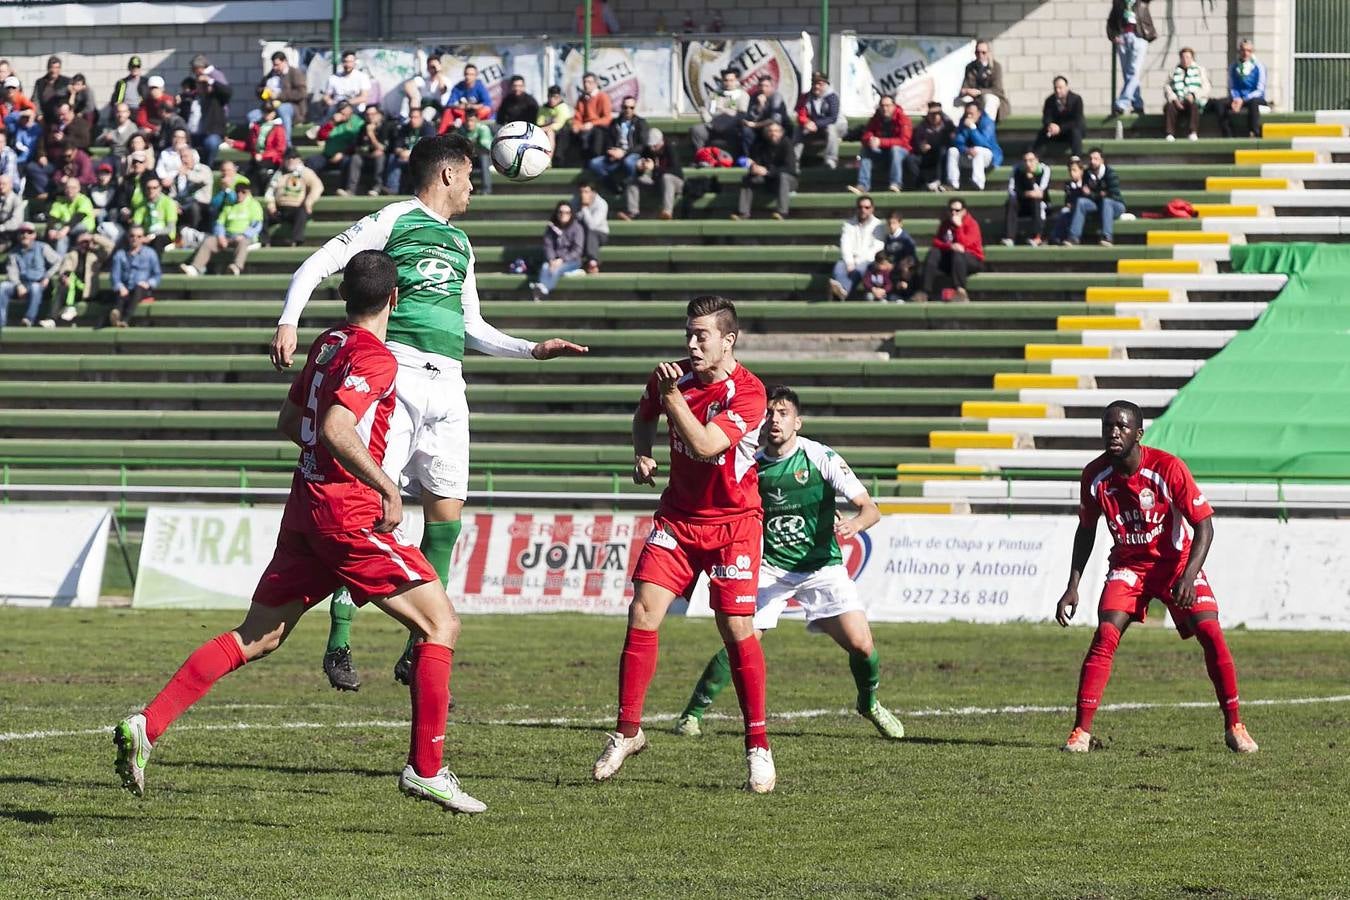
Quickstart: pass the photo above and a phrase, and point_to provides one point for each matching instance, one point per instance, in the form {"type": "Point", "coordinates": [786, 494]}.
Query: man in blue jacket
{"type": "Point", "coordinates": [1246, 90]}
{"type": "Point", "coordinates": [975, 147]}
{"type": "Point", "coordinates": [135, 275]}
{"type": "Point", "coordinates": [31, 267]}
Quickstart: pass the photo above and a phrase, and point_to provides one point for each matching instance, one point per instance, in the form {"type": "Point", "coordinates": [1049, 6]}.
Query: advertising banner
{"type": "Point", "coordinates": [640, 69]}
{"type": "Point", "coordinates": [787, 62]}
{"type": "Point", "coordinates": [914, 70]}
{"type": "Point", "coordinates": [388, 68]}
{"type": "Point", "coordinates": [52, 556]}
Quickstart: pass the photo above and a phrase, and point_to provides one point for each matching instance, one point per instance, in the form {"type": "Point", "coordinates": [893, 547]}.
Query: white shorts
{"type": "Point", "coordinates": [428, 441]}
{"type": "Point", "coordinates": [823, 594]}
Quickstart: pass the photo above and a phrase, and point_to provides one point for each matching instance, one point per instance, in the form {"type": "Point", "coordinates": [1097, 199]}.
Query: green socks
{"type": "Point", "coordinates": [716, 676]}
{"type": "Point", "coordinates": [341, 611]}
{"type": "Point", "coordinates": [438, 545]}
{"type": "Point", "coordinates": [867, 675]}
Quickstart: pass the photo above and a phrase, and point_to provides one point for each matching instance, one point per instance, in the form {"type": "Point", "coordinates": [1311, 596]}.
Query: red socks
{"type": "Point", "coordinates": [208, 664]}
{"type": "Point", "coordinates": [1222, 672]}
{"type": "Point", "coordinates": [430, 706]}
{"type": "Point", "coordinates": [1096, 672]}
{"type": "Point", "coordinates": [637, 664]}
{"type": "Point", "coordinates": [747, 673]}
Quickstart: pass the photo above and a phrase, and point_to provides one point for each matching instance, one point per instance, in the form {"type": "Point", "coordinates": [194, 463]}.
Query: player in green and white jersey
{"type": "Point", "coordinates": [799, 480]}
{"type": "Point", "coordinates": [437, 317]}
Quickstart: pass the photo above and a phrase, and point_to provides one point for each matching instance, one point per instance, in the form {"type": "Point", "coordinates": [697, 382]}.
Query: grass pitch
{"type": "Point", "coordinates": [276, 786]}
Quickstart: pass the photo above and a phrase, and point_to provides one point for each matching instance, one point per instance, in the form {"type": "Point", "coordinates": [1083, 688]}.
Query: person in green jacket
{"type": "Point", "coordinates": [156, 213]}
{"type": "Point", "coordinates": [70, 215]}
{"type": "Point", "coordinates": [237, 228]}
{"type": "Point", "coordinates": [346, 128]}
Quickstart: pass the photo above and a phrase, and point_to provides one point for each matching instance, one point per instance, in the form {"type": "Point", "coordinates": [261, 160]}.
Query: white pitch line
{"type": "Point", "coordinates": [667, 717]}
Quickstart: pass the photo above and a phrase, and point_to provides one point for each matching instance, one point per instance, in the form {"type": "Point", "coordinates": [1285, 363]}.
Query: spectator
{"type": "Point", "coordinates": [480, 135]}
{"type": "Point", "coordinates": [117, 136]}
{"type": "Point", "coordinates": [1028, 190]}
{"type": "Point", "coordinates": [766, 105]}
{"type": "Point", "coordinates": [1101, 195]}
{"type": "Point", "coordinates": [722, 114]}
{"type": "Point", "coordinates": [129, 89]}
{"type": "Point", "coordinates": [624, 139]}
{"type": "Point", "coordinates": [286, 86]}
{"type": "Point", "coordinates": [957, 250]}
{"type": "Point", "coordinates": [818, 119]}
{"type": "Point", "coordinates": [191, 190]}
{"type": "Point", "coordinates": [27, 136]}
{"type": "Point", "coordinates": [12, 100]}
{"type": "Point", "coordinates": [1062, 120]}
{"type": "Point", "coordinates": [428, 91]}
{"type": "Point", "coordinates": [1187, 93]}
{"type": "Point", "coordinates": [879, 279]}
{"type": "Point", "coordinates": [658, 166]}
{"type": "Point", "coordinates": [860, 239]}
{"type": "Point", "coordinates": [76, 278]}
{"type": "Point", "coordinates": [405, 138]}
{"type": "Point", "coordinates": [554, 117]}
{"type": "Point", "coordinates": [237, 227]}
{"type": "Point", "coordinates": [592, 211]}
{"type": "Point", "coordinates": [156, 213]}
{"type": "Point", "coordinates": [48, 172]}
{"type": "Point", "coordinates": [885, 141]}
{"type": "Point", "coordinates": [1130, 27]}
{"type": "Point", "coordinates": [564, 248]}
{"type": "Point", "coordinates": [12, 209]}
{"type": "Point", "coordinates": [347, 85]}
{"type": "Point", "coordinates": [339, 136]}
{"type": "Point", "coordinates": [82, 100]}
{"type": "Point", "coordinates": [470, 94]}
{"type": "Point", "coordinates": [171, 157]}
{"type": "Point", "coordinates": [1075, 188]}
{"type": "Point", "coordinates": [603, 20]}
{"type": "Point", "coordinates": [208, 119]}
{"type": "Point", "coordinates": [593, 114]}
{"type": "Point", "coordinates": [51, 90]}
{"type": "Point", "coordinates": [773, 167]}
{"type": "Point", "coordinates": [9, 160]}
{"type": "Point", "coordinates": [291, 195]}
{"type": "Point", "coordinates": [983, 84]}
{"type": "Point", "coordinates": [900, 247]}
{"type": "Point", "coordinates": [517, 106]}
{"type": "Point", "coordinates": [66, 126]}
{"type": "Point", "coordinates": [103, 193]}
{"type": "Point", "coordinates": [1246, 90]}
{"type": "Point", "coordinates": [31, 267]}
{"type": "Point", "coordinates": [129, 191]}
{"type": "Point", "coordinates": [266, 143]}
{"type": "Point", "coordinates": [157, 108]}
{"type": "Point", "coordinates": [135, 275]}
{"type": "Point", "coordinates": [974, 147]}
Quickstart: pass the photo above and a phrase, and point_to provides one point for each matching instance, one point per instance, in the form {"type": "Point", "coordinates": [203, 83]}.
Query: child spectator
{"type": "Point", "coordinates": [1074, 190]}
{"type": "Point", "coordinates": [879, 280]}
{"type": "Point", "coordinates": [898, 244]}
{"type": "Point", "coordinates": [135, 275]}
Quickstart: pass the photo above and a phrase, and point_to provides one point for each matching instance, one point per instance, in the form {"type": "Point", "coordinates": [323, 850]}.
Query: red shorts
{"type": "Point", "coordinates": [1130, 590]}
{"type": "Point", "coordinates": [677, 552]}
{"type": "Point", "coordinates": [308, 566]}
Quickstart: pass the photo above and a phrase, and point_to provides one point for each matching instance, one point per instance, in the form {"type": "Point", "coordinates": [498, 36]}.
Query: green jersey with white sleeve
{"type": "Point", "coordinates": [799, 491]}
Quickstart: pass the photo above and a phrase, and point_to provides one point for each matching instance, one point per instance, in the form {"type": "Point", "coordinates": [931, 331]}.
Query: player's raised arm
{"type": "Point", "coordinates": [481, 335]}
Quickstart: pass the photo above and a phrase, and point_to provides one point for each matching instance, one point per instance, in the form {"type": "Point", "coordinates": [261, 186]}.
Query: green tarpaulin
{"type": "Point", "coordinates": [1276, 400]}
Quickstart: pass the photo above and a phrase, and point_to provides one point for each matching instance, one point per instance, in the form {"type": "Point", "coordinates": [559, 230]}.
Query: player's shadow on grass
{"type": "Point", "coordinates": [281, 769]}
{"type": "Point", "coordinates": [40, 781]}
{"type": "Point", "coordinates": [971, 742]}
{"type": "Point", "coordinates": [27, 816]}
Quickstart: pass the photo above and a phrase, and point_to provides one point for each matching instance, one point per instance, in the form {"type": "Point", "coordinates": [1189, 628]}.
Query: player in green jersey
{"type": "Point", "coordinates": [436, 320]}
{"type": "Point", "coordinates": [799, 480]}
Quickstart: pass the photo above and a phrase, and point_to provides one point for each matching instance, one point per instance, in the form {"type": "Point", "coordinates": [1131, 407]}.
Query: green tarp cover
{"type": "Point", "coordinates": [1276, 400]}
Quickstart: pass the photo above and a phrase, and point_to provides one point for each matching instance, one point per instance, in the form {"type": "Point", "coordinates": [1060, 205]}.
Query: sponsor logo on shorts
{"type": "Point", "coordinates": [733, 573]}
{"type": "Point", "coordinates": [1125, 575]}
{"type": "Point", "coordinates": [662, 538]}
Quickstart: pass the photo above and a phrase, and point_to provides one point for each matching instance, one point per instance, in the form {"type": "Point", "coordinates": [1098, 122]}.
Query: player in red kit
{"type": "Point", "coordinates": [1148, 497]}
{"type": "Point", "coordinates": [337, 530]}
{"type": "Point", "coordinates": [709, 522]}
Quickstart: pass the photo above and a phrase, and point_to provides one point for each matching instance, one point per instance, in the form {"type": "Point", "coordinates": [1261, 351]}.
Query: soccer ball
{"type": "Point", "coordinates": [521, 151]}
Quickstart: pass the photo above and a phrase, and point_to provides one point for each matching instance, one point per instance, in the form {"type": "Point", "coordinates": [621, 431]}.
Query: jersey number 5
{"type": "Point", "coordinates": [309, 421]}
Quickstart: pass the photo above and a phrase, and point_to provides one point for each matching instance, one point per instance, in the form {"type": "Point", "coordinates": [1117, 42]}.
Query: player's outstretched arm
{"type": "Point", "coordinates": [868, 515]}
{"type": "Point", "coordinates": [1183, 592]}
{"type": "Point", "coordinates": [644, 438]}
{"type": "Point", "coordinates": [1083, 540]}
{"type": "Point", "coordinates": [288, 422]}
{"type": "Point", "coordinates": [703, 439]}
{"type": "Point", "coordinates": [338, 434]}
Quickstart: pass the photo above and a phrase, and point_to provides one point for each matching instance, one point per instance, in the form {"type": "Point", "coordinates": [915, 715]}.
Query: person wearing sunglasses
{"type": "Point", "coordinates": [958, 251]}
{"type": "Point", "coordinates": [623, 142]}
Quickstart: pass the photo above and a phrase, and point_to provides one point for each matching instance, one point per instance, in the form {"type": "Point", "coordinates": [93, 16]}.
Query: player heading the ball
{"type": "Point", "coordinates": [1148, 497]}
{"type": "Point", "coordinates": [709, 522]}
{"type": "Point", "coordinates": [337, 531]}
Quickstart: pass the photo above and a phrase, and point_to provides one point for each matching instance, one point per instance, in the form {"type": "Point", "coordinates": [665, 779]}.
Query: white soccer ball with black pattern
{"type": "Point", "coordinates": [522, 151]}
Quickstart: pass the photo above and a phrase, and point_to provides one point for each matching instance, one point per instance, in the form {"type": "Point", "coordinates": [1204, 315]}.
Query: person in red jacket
{"type": "Point", "coordinates": [957, 250]}
{"type": "Point", "coordinates": [266, 143]}
{"type": "Point", "coordinates": [885, 141]}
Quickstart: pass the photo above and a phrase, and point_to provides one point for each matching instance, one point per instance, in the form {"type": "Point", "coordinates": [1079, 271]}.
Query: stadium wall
{"type": "Point", "coordinates": [1033, 39]}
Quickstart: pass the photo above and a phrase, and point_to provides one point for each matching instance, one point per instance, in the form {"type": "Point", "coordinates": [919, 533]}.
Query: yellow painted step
{"type": "Point", "coordinates": [1172, 238]}
{"type": "Point", "coordinates": [910, 473]}
{"type": "Point", "coordinates": [917, 507]}
{"type": "Point", "coordinates": [1127, 295]}
{"type": "Point", "coordinates": [1065, 351]}
{"type": "Point", "coordinates": [1261, 157]}
{"type": "Point", "coordinates": [989, 409]}
{"type": "Point", "coordinates": [1245, 183]}
{"type": "Point", "coordinates": [1017, 381]}
{"type": "Point", "coordinates": [1158, 266]}
{"type": "Point", "coordinates": [1233, 210]}
{"type": "Point", "coordinates": [971, 440]}
{"type": "Point", "coordinates": [1082, 323]}
{"type": "Point", "coordinates": [1277, 130]}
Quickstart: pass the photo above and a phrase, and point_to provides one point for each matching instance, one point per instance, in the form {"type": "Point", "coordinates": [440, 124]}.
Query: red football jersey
{"type": "Point", "coordinates": [1145, 512]}
{"type": "Point", "coordinates": [725, 487]}
{"type": "Point", "coordinates": [351, 367]}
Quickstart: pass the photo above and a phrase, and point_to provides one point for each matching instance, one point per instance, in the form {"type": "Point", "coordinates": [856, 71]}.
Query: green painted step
{"type": "Point", "coordinates": [968, 339]}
